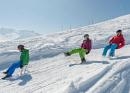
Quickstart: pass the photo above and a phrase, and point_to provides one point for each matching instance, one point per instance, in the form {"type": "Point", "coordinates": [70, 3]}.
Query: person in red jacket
{"type": "Point", "coordinates": [86, 47]}
{"type": "Point", "coordinates": [115, 42]}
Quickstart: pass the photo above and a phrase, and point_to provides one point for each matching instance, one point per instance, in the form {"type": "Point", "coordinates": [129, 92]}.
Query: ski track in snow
{"type": "Point", "coordinates": [53, 67]}
{"type": "Point", "coordinates": [54, 72]}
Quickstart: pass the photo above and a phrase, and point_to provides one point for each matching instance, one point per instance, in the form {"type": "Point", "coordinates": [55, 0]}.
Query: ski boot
{"type": "Point", "coordinates": [67, 54]}
{"type": "Point", "coordinates": [7, 76]}
{"type": "Point", "coordinates": [83, 60]}
{"type": "Point", "coordinates": [5, 72]}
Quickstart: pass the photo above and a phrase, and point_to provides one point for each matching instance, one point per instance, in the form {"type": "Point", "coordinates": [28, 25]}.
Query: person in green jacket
{"type": "Point", "coordinates": [24, 60]}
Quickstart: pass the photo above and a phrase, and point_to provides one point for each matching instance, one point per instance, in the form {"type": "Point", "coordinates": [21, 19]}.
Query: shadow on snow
{"type": "Point", "coordinates": [90, 62]}
{"type": "Point", "coordinates": [122, 57]}
{"type": "Point", "coordinates": [24, 79]}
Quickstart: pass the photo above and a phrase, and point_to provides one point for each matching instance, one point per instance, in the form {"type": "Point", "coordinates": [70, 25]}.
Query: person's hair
{"type": "Point", "coordinates": [118, 31]}
{"type": "Point", "coordinates": [21, 47]}
{"type": "Point", "coordinates": [86, 35]}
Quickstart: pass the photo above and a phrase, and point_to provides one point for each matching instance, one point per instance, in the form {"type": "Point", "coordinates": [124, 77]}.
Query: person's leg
{"type": "Point", "coordinates": [82, 53]}
{"type": "Point", "coordinates": [106, 49]}
{"type": "Point", "coordinates": [112, 51]}
{"type": "Point", "coordinates": [12, 68]}
{"type": "Point", "coordinates": [74, 51]}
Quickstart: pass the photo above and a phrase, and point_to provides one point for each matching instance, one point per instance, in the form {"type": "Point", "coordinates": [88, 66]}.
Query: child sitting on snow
{"type": "Point", "coordinates": [85, 49]}
{"type": "Point", "coordinates": [116, 42]}
{"type": "Point", "coordinates": [24, 59]}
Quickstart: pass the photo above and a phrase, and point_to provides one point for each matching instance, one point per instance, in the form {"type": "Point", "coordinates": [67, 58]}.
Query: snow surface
{"type": "Point", "coordinates": [51, 72]}
{"type": "Point", "coordinates": [7, 34]}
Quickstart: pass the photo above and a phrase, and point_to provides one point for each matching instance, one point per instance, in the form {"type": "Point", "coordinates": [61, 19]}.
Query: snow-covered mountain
{"type": "Point", "coordinates": [52, 72]}
{"type": "Point", "coordinates": [7, 34]}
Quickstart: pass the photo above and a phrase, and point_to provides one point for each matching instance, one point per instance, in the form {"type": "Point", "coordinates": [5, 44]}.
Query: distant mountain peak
{"type": "Point", "coordinates": [9, 34]}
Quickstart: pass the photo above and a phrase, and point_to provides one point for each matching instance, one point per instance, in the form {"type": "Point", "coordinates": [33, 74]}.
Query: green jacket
{"type": "Point", "coordinates": [24, 58]}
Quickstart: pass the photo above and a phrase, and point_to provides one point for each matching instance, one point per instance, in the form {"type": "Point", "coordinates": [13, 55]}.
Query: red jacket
{"type": "Point", "coordinates": [87, 44]}
{"type": "Point", "coordinates": [119, 40]}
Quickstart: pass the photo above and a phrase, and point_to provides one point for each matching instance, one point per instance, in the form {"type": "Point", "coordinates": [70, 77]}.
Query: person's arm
{"type": "Point", "coordinates": [122, 43]}
{"type": "Point", "coordinates": [21, 60]}
{"type": "Point", "coordinates": [90, 45]}
{"type": "Point", "coordinates": [82, 45]}
{"type": "Point", "coordinates": [110, 41]}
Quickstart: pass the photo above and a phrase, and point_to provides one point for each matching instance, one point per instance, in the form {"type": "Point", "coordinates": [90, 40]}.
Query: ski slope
{"type": "Point", "coordinates": [51, 72]}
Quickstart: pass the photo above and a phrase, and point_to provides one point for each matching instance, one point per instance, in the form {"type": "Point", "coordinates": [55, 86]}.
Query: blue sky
{"type": "Point", "coordinates": [47, 16]}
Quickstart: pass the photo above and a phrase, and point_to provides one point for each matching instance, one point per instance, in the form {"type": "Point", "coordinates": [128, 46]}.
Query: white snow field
{"type": "Point", "coordinates": [51, 72]}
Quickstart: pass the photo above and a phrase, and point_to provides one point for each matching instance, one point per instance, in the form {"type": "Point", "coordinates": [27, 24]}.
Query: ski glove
{"type": "Point", "coordinates": [21, 66]}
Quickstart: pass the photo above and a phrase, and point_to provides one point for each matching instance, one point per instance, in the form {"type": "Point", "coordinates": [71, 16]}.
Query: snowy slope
{"type": "Point", "coordinates": [7, 34]}
{"type": "Point", "coordinates": [51, 72]}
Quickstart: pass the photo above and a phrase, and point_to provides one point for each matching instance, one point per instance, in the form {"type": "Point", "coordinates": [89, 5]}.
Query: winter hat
{"type": "Point", "coordinates": [21, 47]}
{"type": "Point", "coordinates": [86, 35]}
{"type": "Point", "coordinates": [118, 31]}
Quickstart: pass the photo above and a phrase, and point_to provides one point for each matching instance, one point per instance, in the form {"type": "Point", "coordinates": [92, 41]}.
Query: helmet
{"type": "Point", "coordinates": [86, 35]}
{"type": "Point", "coordinates": [21, 47]}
